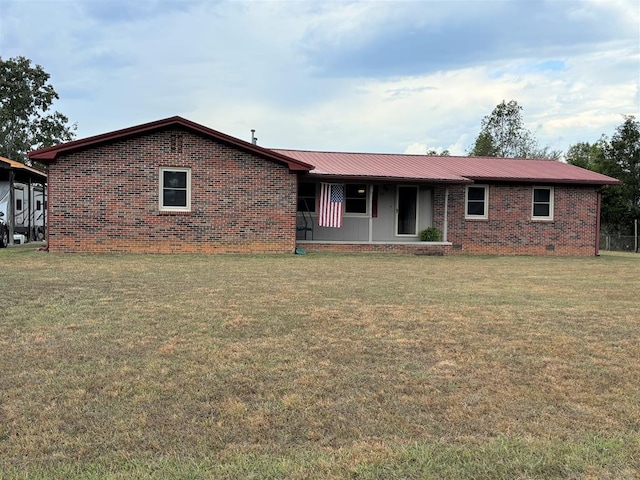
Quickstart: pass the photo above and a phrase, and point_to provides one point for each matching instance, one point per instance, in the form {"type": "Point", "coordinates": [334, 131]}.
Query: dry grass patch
{"type": "Point", "coordinates": [319, 366]}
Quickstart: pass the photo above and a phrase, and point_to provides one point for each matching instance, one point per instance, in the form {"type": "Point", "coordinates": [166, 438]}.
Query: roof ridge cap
{"type": "Point", "coordinates": [423, 155]}
{"type": "Point", "coordinates": [371, 153]}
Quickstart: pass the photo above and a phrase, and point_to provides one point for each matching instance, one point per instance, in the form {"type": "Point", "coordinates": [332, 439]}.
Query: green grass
{"type": "Point", "coordinates": [318, 366]}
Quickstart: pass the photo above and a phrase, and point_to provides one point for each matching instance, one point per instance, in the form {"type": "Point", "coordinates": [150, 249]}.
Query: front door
{"type": "Point", "coordinates": [407, 211]}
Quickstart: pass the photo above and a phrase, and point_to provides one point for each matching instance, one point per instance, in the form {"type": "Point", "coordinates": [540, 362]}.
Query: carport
{"type": "Point", "coordinates": [18, 175]}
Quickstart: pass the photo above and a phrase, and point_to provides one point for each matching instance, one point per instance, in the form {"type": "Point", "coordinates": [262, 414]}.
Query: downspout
{"type": "Point", "coordinates": [598, 202]}
{"type": "Point", "coordinates": [446, 212]}
{"type": "Point", "coordinates": [370, 208]}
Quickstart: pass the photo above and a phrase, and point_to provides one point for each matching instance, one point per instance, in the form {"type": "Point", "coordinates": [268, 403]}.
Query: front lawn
{"type": "Point", "coordinates": [318, 366]}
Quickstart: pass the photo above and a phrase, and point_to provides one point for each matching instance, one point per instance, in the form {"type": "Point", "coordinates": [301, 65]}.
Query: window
{"type": "Point", "coordinates": [306, 197]}
{"type": "Point", "coordinates": [175, 189]}
{"type": "Point", "coordinates": [542, 208]}
{"type": "Point", "coordinates": [477, 201]}
{"type": "Point", "coordinates": [355, 200]}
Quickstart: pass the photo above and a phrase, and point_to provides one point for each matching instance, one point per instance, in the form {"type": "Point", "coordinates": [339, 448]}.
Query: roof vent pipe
{"type": "Point", "coordinates": [254, 140]}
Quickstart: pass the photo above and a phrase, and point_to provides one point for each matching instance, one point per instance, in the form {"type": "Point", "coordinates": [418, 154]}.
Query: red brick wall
{"type": "Point", "coordinates": [416, 248]}
{"type": "Point", "coordinates": [106, 199]}
{"type": "Point", "coordinates": [509, 229]}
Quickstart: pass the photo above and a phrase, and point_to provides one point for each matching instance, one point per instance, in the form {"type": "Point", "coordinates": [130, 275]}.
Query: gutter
{"type": "Point", "coordinates": [385, 179]}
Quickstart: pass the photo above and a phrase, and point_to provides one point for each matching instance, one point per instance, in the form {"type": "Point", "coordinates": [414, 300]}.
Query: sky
{"type": "Point", "coordinates": [363, 76]}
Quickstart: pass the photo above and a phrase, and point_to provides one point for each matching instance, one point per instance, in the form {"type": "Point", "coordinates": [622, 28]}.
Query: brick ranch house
{"type": "Point", "coordinates": [176, 186]}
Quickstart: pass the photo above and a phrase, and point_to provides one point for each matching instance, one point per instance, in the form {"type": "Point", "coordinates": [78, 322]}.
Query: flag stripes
{"type": "Point", "coordinates": [331, 200]}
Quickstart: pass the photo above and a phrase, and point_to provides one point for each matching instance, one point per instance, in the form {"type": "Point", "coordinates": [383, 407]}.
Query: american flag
{"type": "Point", "coordinates": [331, 200]}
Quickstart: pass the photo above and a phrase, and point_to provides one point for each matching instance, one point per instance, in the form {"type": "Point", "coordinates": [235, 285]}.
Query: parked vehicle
{"type": "Point", "coordinates": [4, 232]}
{"type": "Point", "coordinates": [29, 217]}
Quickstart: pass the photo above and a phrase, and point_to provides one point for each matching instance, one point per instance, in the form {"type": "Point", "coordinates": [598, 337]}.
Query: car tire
{"type": "Point", "coordinates": [4, 238]}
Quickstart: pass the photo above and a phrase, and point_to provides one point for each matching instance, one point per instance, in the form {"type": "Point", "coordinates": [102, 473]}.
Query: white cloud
{"type": "Point", "coordinates": [336, 75]}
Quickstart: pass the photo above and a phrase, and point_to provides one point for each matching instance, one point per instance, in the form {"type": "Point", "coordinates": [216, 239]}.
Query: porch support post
{"type": "Point", "coordinates": [45, 211]}
{"type": "Point", "coordinates": [11, 213]}
{"type": "Point", "coordinates": [446, 213]}
{"type": "Point", "coordinates": [370, 209]}
{"type": "Point", "coordinates": [29, 212]}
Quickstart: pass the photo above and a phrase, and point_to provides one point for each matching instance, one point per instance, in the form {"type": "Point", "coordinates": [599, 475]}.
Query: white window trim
{"type": "Point", "coordinates": [354, 214]}
{"type": "Point", "coordinates": [485, 216]}
{"type": "Point", "coordinates": [161, 207]}
{"type": "Point", "coordinates": [551, 204]}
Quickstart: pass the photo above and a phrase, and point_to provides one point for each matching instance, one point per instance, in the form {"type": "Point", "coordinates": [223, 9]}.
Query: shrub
{"type": "Point", "coordinates": [431, 234]}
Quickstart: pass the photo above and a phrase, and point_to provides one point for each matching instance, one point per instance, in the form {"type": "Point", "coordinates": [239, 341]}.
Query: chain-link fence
{"type": "Point", "coordinates": [619, 243]}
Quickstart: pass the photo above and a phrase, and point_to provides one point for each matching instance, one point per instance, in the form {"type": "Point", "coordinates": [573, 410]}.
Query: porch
{"type": "Point", "coordinates": [376, 217]}
{"type": "Point", "coordinates": [411, 248]}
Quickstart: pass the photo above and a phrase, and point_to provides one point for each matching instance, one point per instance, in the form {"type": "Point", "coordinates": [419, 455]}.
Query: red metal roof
{"type": "Point", "coordinates": [49, 154]}
{"type": "Point", "coordinates": [364, 165]}
{"type": "Point", "coordinates": [376, 165]}
{"type": "Point", "coordinates": [445, 169]}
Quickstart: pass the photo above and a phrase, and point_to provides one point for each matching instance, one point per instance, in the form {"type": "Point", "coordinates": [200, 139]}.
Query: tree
{"type": "Point", "coordinates": [545, 152]}
{"type": "Point", "coordinates": [434, 153]}
{"type": "Point", "coordinates": [503, 134]}
{"type": "Point", "coordinates": [26, 119]}
{"type": "Point", "coordinates": [484, 146]}
{"type": "Point", "coordinates": [589, 156]}
{"type": "Point", "coordinates": [623, 162]}
{"type": "Point", "coordinates": [618, 158]}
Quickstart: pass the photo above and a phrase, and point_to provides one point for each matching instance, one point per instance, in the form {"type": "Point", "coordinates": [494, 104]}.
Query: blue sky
{"type": "Point", "coordinates": [378, 76]}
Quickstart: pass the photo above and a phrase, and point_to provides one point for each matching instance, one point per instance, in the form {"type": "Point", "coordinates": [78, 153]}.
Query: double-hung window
{"type": "Point", "coordinates": [542, 204]}
{"type": "Point", "coordinates": [477, 202]}
{"type": "Point", "coordinates": [175, 189]}
{"type": "Point", "coordinates": [355, 199]}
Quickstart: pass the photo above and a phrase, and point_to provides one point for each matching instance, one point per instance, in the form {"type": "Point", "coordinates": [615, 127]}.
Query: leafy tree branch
{"type": "Point", "coordinates": [27, 120]}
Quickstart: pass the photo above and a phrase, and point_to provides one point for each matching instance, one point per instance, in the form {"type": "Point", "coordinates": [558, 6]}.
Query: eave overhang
{"type": "Point", "coordinates": [386, 179]}
{"type": "Point", "coordinates": [547, 181]}
{"type": "Point", "coordinates": [50, 154]}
